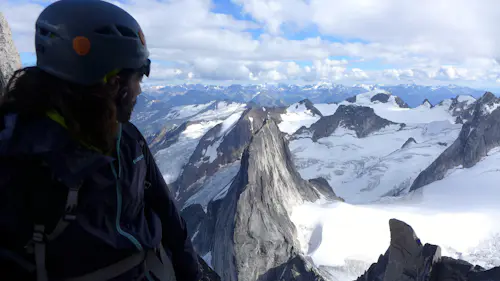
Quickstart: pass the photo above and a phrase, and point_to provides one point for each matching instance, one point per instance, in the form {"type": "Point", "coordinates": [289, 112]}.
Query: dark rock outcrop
{"type": "Point", "coordinates": [294, 269]}
{"type": "Point", "coordinates": [360, 119]}
{"type": "Point", "coordinates": [324, 187]}
{"type": "Point", "coordinates": [407, 259]}
{"type": "Point", "coordinates": [208, 273]}
{"type": "Point", "coordinates": [408, 142]}
{"type": "Point", "coordinates": [401, 102]}
{"type": "Point", "coordinates": [426, 102]}
{"type": "Point", "coordinates": [474, 141]}
{"type": "Point", "coordinates": [381, 97]}
{"type": "Point", "coordinates": [253, 233]}
{"type": "Point", "coordinates": [351, 99]}
{"type": "Point", "coordinates": [165, 138]}
{"type": "Point", "coordinates": [309, 105]}
{"type": "Point", "coordinates": [10, 60]}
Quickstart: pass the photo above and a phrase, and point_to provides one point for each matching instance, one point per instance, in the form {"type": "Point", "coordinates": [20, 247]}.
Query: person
{"type": "Point", "coordinates": [81, 197]}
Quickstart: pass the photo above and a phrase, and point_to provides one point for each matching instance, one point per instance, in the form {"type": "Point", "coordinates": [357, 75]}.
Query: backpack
{"type": "Point", "coordinates": [157, 260]}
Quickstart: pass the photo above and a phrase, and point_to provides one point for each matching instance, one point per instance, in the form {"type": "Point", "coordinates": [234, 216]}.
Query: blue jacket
{"type": "Point", "coordinates": [112, 219]}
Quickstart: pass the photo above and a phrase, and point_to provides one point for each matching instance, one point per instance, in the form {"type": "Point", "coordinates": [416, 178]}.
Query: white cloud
{"type": "Point", "coordinates": [423, 41]}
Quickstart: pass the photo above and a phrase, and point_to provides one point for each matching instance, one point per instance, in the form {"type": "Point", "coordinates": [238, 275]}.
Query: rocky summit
{"type": "Point", "coordinates": [407, 259]}
{"type": "Point", "coordinates": [476, 138]}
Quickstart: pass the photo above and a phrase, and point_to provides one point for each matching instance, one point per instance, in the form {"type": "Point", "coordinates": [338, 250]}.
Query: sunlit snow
{"type": "Point", "coordinates": [459, 213]}
{"type": "Point", "coordinates": [172, 159]}
{"type": "Point", "coordinates": [296, 116]}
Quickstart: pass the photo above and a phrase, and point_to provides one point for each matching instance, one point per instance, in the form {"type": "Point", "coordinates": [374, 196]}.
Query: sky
{"type": "Point", "coordinates": [429, 42]}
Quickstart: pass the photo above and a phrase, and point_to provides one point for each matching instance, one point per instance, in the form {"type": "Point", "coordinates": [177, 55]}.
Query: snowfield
{"type": "Point", "coordinates": [363, 169]}
{"type": "Point", "coordinates": [296, 116]}
{"type": "Point", "coordinates": [459, 213]}
{"type": "Point", "coordinates": [171, 159]}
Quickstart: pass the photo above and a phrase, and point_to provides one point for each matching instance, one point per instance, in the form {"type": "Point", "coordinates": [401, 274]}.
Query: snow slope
{"type": "Point", "coordinates": [327, 108]}
{"type": "Point", "coordinates": [296, 116]}
{"type": "Point", "coordinates": [460, 213]}
{"type": "Point", "coordinates": [222, 111]}
{"type": "Point", "coordinates": [172, 158]}
{"type": "Point", "coordinates": [186, 111]}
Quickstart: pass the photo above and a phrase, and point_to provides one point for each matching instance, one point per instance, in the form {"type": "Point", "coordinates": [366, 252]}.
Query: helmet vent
{"type": "Point", "coordinates": [116, 30]}
{"type": "Point", "coordinates": [127, 32]}
{"type": "Point", "coordinates": [47, 33]}
{"type": "Point", "coordinates": [106, 30]}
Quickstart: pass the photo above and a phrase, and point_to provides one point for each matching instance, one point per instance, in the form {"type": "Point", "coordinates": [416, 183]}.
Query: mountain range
{"type": "Point", "coordinates": [305, 191]}
{"type": "Point", "coordinates": [286, 94]}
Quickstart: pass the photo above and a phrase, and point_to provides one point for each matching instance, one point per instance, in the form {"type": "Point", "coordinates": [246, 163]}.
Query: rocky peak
{"type": "Point", "coordinates": [484, 106]}
{"type": "Point", "coordinates": [409, 142]}
{"type": "Point", "coordinates": [351, 99]}
{"type": "Point", "coordinates": [427, 103]}
{"type": "Point", "coordinates": [360, 119]}
{"type": "Point", "coordinates": [474, 141]}
{"type": "Point", "coordinates": [10, 60]}
{"type": "Point", "coordinates": [381, 97]}
{"type": "Point", "coordinates": [253, 220]}
{"type": "Point", "coordinates": [310, 106]}
{"type": "Point", "coordinates": [407, 259]}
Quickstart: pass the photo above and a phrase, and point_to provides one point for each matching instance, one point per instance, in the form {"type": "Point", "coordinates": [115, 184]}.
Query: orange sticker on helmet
{"type": "Point", "coordinates": [81, 45]}
{"type": "Point", "coordinates": [143, 39]}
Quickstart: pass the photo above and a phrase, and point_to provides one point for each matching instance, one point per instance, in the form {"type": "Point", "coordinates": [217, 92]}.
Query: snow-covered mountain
{"type": "Point", "coordinates": [286, 94]}
{"type": "Point", "coordinates": [304, 192]}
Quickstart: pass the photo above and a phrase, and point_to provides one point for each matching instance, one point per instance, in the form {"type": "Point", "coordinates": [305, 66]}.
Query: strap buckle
{"type": "Point", "coordinates": [71, 203]}
{"type": "Point", "coordinates": [38, 234]}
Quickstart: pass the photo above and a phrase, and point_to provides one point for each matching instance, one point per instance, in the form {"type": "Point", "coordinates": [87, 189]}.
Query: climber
{"type": "Point", "coordinates": [81, 197]}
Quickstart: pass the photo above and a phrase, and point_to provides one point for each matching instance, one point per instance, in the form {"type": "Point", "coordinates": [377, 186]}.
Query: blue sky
{"type": "Point", "coordinates": [347, 42]}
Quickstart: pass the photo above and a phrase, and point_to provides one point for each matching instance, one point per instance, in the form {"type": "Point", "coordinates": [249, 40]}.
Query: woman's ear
{"type": "Point", "coordinates": [113, 80]}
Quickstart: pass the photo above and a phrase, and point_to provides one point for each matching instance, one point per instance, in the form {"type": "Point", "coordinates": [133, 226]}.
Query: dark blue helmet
{"type": "Point", "coordinates": [84, 41]}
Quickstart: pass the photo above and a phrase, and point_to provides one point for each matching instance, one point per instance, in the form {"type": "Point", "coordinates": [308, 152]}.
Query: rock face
{"type": "Point", "coordinates": [408, 260]}
{"type": "Point", "coordinates": [10, 60]}
{"type": "Point", "coordinates": [208, 273]}
{"type": "Point", "coordinates": [401, 103]}
{"type": "Point", "coordinates": [218, 147]}
{"type": "Point", "coordinates": [322, 185]}
{"type": "Point", "coordinates": [381, 97]}
{"type": "Point", "coordinates": [254, 237]}
{"type": "Point", "coordinates": [165, 138]}
{"type": "Point", "coordinates": [360, 119]}
{"type": "Point", "coordinates": [474, 141]}
{"type": "Point", "coordinates": [309, 105]}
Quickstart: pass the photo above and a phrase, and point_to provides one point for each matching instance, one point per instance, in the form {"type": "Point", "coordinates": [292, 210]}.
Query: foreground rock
{"type": "Point", "coordinates": [10, 60]}
{"type": "Point", "coordinates": [408, 260]}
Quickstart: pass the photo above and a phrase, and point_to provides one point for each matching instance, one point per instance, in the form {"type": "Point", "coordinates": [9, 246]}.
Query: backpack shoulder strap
{"type": "Point", "coordinates": [40, 181]}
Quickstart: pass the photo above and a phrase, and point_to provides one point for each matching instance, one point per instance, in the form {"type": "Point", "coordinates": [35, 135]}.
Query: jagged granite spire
{"type": "Point", "coordinates": [10, 60]}
{"type": "Point", "coordinates": [254, 236]}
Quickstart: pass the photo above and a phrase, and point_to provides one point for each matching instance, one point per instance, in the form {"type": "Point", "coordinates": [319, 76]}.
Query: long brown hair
{"type": "Point", "coordinates": [90, 112]}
